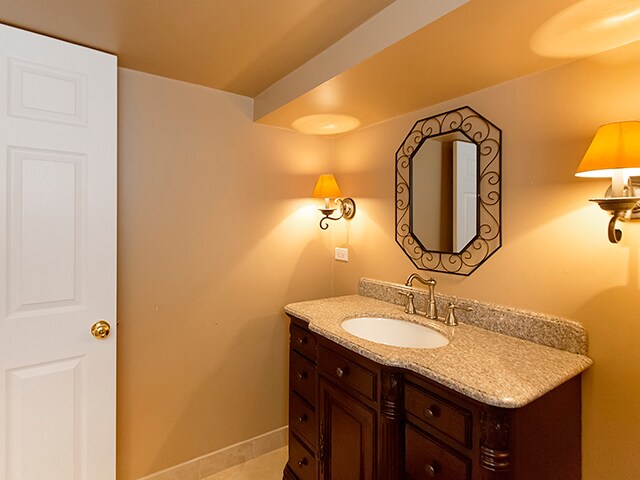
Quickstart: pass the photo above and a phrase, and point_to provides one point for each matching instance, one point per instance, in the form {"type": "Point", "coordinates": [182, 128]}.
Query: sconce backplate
{"type": "Point", "coordinates": [348, 207]}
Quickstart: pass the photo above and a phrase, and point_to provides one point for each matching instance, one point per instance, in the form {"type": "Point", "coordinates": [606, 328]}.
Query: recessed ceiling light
{"type": "Point", "coordinates": [588, 27]}
{"type": "Point", "coordinates": [325, 124]}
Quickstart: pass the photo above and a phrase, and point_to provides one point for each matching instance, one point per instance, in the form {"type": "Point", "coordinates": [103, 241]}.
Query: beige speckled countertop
{"type": "Point", "coordinates": [490, 367]}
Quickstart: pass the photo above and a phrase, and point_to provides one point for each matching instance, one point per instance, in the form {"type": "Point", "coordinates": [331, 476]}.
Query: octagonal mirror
{"type": "Point", "coordinates": [448, 193]}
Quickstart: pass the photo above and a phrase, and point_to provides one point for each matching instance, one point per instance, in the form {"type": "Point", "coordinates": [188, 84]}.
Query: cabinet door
{"type": "Point", "coordinates": [347, 436]}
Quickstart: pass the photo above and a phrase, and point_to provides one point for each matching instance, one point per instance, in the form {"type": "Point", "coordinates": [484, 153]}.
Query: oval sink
{"type": "Point", "coordinates": [394, 332]}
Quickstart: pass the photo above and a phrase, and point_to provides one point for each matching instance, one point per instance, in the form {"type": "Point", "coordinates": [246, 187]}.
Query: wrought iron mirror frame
{"type": "Point", "coordinates": [488, 239]}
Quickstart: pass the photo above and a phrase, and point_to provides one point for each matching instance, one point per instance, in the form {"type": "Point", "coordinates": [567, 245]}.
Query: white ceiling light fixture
{"type": "Point", "coordinates": [588, 27]}
{"type": "Point", "coordinates": [326, 124]}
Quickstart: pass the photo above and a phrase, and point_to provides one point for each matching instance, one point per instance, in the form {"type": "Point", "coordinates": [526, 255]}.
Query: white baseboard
{"type": "Point", "coordinates": [214, 462]}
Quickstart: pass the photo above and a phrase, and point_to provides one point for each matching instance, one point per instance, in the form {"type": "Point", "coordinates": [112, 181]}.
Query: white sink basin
{"type": "Point", "coordinates": [398, 333]}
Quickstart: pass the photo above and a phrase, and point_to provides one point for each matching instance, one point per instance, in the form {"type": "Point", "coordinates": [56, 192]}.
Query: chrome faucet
{"type": "Point", "coordinates": [432, 309]}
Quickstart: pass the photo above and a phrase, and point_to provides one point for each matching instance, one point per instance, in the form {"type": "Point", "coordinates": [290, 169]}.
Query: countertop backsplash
{"type": "Point", "coordinates": [542, 329]}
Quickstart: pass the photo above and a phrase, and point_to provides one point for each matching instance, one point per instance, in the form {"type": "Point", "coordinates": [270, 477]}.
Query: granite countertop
{"type": "Point", "coordinates": [490, 367]}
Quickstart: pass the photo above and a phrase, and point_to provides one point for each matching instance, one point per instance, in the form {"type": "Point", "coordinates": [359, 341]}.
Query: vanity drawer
{"type": "Point", "coordinates": [424, 458]}
{"type": "Point", "coordinates": [302, 377]}
{"type": "Point", "coordinates": [446, 417]}
{"type": "Point", "coordinates": [303, 341]}
{"type": "Point", "coordinates": [302, 419]}
{"type": "Point", "coordinates": [301, 461]}
{"type": "Point", "coordinates": [347, 373]}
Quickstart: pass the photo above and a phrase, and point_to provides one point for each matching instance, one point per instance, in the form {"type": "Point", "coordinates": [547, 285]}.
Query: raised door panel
{"type": "Point", "coordinates": [46, 194]}
{"type": "Point", "coordinates": [40, 431]}
{"type": "Point", "coordinates": [348, 439]}
{"type": "Point", "coordinates": [47, 93]}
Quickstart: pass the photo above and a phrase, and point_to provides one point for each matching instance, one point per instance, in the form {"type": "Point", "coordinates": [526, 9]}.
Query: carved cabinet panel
{"type": "Point", "coordinates": [349, 436]}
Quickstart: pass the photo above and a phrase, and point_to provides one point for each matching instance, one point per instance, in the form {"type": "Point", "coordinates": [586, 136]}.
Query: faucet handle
{"type": "Point", "coordinates": [451, 320]}
{"type": "Point", "coordinates": [409, 307]}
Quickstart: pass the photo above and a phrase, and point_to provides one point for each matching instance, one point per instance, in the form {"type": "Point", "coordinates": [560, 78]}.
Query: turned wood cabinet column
{"type": "Point", "coordinates": [495, 447]}
{"type": "Point", "coordinates": [390, 455]}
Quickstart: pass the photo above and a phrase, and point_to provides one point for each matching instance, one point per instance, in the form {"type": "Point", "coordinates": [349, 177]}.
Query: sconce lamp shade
{"type": "Point", "coordinates": [326, 187]}
{"type": "Point", "coordinates": [615, 146]}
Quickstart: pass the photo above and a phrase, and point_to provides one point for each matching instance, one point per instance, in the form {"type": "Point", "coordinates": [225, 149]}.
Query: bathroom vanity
{"type": "Point", "coordinates": [486, 406]}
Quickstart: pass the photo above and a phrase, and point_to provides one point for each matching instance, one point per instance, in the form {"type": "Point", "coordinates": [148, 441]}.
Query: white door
{"type": "Point", "coordinates": [465, 196]}
{"type": "Point", "coordinates": [57, 259]}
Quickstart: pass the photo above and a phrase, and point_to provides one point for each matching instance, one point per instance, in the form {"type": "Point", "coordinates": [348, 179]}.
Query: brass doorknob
{"type": "Point", "coordinates": [100, 329]}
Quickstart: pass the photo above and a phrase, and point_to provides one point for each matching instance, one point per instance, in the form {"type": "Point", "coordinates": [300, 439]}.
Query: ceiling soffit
{"type": "Point", "coordinates": [480, 44]}
{"type": "Point", "coordinates": [240, 46]}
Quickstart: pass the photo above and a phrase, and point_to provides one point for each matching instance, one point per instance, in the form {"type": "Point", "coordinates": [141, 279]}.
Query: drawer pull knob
{"type": "Point", "coordinates": [302, 462]}
{"type": "Point", "coordinates": [341, 372]}
{"type": "Point", "coordinates": [432, 412]}
{"type": "Point", "coordinates": [302, 375]}
{"type": "Point", "coordinates": [303, 340]}
{"type": "Point", "coordinates": [432, 469]}
{"type": "Point", "coordinates": [303, 418]}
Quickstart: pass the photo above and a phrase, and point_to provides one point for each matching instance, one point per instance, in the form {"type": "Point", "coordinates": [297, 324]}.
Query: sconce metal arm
{"type": "Point", "coordinates": [324, 224]}
{"type": "Point", "coordinates": [347, 210]}
{"type": "Point", "coordinates": [615, 234]}
{"type": "Point", "coordinates": [620, 208]}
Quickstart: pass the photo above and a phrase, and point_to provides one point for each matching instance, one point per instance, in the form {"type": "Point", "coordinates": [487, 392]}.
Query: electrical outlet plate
{"type": "Point", "coordinates": [342, 254]}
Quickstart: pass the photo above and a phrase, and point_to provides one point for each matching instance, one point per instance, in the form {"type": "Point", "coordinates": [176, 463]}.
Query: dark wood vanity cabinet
{"type": "Point", "coordinates": [353, 419]}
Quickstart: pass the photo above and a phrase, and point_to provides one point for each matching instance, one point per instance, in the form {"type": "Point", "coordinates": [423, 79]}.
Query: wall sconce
{"type": "Point", "coordinates": [615, 152]}
{"type": "Point", "coordinates": [327, 188]}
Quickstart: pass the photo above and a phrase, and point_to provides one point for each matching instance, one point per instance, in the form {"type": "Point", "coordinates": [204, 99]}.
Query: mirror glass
{"type": "Point", "coordinates": [444, 207]}
{"type": "Point", "coordinates": [448, 192]}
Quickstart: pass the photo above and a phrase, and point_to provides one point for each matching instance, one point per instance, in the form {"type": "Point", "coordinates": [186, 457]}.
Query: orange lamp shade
{"type": "Point", "coordinates": [326, 187]}
{"type": "Point", "coordinates": [615, 146]}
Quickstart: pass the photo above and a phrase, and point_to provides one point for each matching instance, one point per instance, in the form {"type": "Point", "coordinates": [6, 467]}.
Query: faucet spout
{"type": "Point", "coordinates": [415, 276]}
{"type": "Point", "coordinates": [432, 309]}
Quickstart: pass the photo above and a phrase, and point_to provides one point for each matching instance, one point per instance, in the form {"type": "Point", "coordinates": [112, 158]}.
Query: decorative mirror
{"type": "Point", "coordinates": [448, 192]}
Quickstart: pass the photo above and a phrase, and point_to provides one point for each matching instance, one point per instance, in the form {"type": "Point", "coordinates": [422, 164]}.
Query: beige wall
{"type": "Point", "coordinates": [555, 256]}
{"type": "Point", "coordinates": [216, 233]}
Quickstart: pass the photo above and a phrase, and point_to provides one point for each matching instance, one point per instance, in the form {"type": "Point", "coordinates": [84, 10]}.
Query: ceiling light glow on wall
{"type": "Point", "coordinates": [327, 188]}
{"type": "Point", "coordinates": [615, 153]}
{"type": "Point", "coordinates": [588, 27]}
{"type": "Point", "coordinates": [326, 124]}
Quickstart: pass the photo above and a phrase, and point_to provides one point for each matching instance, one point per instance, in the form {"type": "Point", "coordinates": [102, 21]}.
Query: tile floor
{"type": "Point", "coordinates": [265, 467]}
